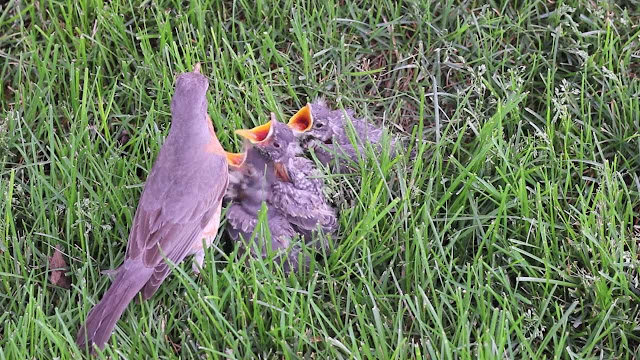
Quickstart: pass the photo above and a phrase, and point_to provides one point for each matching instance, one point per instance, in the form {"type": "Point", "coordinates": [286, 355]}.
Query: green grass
{"type": "Point", "coordinates": [514, 234]}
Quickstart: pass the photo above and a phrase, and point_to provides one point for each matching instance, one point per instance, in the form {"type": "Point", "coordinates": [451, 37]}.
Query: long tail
{"type": "Point", "coordinates": [102, 318]}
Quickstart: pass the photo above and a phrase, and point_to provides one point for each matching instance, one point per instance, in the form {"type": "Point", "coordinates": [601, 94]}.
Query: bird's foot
{"type": "Point", "coordinates": [198, 261]}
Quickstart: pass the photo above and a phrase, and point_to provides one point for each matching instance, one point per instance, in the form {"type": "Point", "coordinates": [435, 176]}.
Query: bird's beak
{"type": "Point", "coordinates": [196, 68]}
{"type": "Point", "coordinates": [235, 159]}
{"type": "Point", "coordinates": [302, 121]}
{"type": "Point", "coordinates": [257, 134]}
{"type": "Point", "coordinates": [281, 172]}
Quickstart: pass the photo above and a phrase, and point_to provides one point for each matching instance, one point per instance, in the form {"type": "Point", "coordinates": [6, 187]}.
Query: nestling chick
{"type": "Point", "coordinates": [295, 203]}
{"type": "Point", "coordinates": [301, 199]}
{"type": "Point", "coordinates": [252, 175]}
{"type": "Point", "coordinates": [325, 132]}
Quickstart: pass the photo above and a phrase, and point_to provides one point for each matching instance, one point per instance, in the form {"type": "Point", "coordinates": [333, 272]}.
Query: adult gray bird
{"type": "Point", "coordinates": [179, 208]}
{"type": "Point", "coordinates": [325, 132]}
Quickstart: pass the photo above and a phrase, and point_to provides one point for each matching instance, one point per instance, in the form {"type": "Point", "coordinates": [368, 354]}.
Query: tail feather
{"type": "Point", "coordinates": [102, 318]}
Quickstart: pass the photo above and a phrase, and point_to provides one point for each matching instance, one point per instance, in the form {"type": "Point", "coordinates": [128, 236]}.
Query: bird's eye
{"type": "Point", "coordinates": [276, 145]}
{"type": "Point", "coordinates": [319, 125]}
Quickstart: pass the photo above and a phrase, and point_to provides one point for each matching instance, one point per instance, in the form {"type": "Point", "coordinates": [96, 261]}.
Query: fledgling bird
{"type": "Point", "coordinates": [325, 131]}
{"type": "Point", "coordinates": [285, 177]}
{"type": "Point", "coordinates": [301, 198]}
{"type": "Point", "coordinates": [180, 205]}
{"type": "Point", "coordinates": [252, 175]}
{"type": "Point", "coordinates": [303, 201]}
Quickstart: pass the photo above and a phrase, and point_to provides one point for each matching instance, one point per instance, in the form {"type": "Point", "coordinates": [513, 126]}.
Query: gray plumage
{"type": "Point", "coordinates": [303, 201]}
{"type": "Point", "coordinates": [294, 200]}
{"type": "Point", "coordinates": [329, 139]}
{"type": "Point", "coordinates": [179, 205]}
{"type": "Point", "coordinates": [250, 189]}
{"type": "Point", "coordinates": [301, 198]}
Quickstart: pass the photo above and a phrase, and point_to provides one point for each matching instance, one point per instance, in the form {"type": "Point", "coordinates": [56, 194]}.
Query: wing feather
{"type": "Point", "coordinates": [165, 224]}
{"type": "Point", "coordinates": [302, 200]}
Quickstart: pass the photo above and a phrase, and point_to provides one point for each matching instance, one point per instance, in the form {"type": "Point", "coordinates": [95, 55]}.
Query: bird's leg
{"type": "Point", "coordinates": [198, 261]}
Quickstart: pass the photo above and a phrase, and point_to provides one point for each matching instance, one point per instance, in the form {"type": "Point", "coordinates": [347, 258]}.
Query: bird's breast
{"type": "Point", "coordinates": [213, 146]}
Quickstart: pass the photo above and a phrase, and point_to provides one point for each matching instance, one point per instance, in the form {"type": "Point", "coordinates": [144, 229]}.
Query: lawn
{"type": "Point", "coordinates": [513, 234]}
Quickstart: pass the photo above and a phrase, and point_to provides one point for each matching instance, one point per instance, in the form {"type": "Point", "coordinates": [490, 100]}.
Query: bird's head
{"type": "Point", "coordinates": [275, 143]}
{"type": "Point", "coordinates": [316, 121]}
{"type": "Point", "coordinates": [274, 140]}
{"type": "Point", "coordinates": [189, 102]}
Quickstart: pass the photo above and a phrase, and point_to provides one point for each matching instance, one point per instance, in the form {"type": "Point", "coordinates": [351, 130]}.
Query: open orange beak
{"type": "Point", "coordinates": [302, 121]}
{"type": "Point", "coordinates": [235, 159]}
{"type": "Point", "coordinates": [281, 172]}
{"type": "Point", "coordinates": [257, 134]}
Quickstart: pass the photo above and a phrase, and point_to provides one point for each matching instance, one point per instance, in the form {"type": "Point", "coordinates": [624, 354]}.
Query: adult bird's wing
{"type": "Point", "coordinates": [164, 224]}
{"type": "Point", "coordinates": [174, 209]}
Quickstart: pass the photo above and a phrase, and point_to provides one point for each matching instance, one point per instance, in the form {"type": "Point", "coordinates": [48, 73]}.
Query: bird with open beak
{"type": "Point", "coordinates": [252, 175]}
{"type": "Point", "coordinates": [289, 192]}
{"type": "Point", "coordinates": [179, 208]}
{"type": "Point", "coordinates": [325, 132]}
{"type": "Point", "coordinates": [301, 198]}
